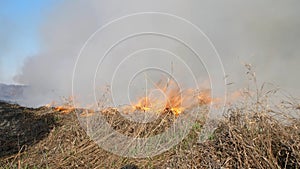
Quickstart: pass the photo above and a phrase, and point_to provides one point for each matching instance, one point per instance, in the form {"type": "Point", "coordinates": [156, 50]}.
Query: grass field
{"type": "Point", "coordinates": [253, 133]}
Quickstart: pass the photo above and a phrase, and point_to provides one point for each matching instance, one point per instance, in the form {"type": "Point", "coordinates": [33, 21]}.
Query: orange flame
{"type": "Point", "coordinates": [175, 100]}
{"type": "Point", "coordinates": [64, 109]}
{"type": "Point", "coordinates": [143, 104]}
{"type": "Point", "coordinates": [204, 97]}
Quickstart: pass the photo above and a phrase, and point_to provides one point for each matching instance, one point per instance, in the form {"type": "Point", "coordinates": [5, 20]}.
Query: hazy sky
{"type": "Point", "coordinates": [19, 33]}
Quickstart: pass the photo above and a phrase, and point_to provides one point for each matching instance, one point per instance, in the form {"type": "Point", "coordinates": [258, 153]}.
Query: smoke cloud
{"type": "Point", "coordinates": [263, 33]}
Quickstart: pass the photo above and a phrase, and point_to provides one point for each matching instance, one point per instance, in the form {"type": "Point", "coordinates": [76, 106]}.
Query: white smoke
{"type": "Point", "coordinates": [264, 33]}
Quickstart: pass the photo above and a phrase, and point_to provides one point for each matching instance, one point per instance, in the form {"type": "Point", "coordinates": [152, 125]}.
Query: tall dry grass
{"type": "Point", "coordinates": [260, 130]}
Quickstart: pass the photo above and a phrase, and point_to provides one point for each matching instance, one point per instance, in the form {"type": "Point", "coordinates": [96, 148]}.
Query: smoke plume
{"type": "Point", "coordinates": [263, 33]}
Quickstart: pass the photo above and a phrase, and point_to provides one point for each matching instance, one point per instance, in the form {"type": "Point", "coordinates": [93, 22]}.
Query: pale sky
{"type": "Point", "coordinates": [19, 33]}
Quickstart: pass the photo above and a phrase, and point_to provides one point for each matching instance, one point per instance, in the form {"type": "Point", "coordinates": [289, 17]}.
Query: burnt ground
{"type": "Point", "coordinates": [20, 126]}
{"type": "Point", "coordinates": [45, 138]}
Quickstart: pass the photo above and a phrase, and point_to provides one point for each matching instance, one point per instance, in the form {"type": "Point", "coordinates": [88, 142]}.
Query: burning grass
{"type": "Point", "coordinates": [255, 132]}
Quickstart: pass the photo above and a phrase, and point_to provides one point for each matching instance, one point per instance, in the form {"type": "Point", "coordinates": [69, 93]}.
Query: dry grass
{"type": "Point", "coordinates": [254, 133]}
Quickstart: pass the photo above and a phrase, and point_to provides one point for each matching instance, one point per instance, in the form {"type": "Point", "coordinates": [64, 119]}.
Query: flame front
{"type": "Point", "coordinates": [64, 109]}
{"type": "Point", "coordinates": [171, 99]}
{"type": "Point", "coordinates": [143, 104]}
{"type": "Point", "coordinates": [175, 100]}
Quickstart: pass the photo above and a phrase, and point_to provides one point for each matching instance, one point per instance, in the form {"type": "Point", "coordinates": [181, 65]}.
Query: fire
{"type": "Point", "coordinates": [176, 111]}
{"type": "Point", "coordinates": [204, 97]}
{"type": "Point", "coordinates": [143, 104]}
{"type": "Point", "coordinates": [174, 100]}
{"type": "Point", "coordinates": [64, 109]}
{"type": "Point", "coordinates": [166, 96]}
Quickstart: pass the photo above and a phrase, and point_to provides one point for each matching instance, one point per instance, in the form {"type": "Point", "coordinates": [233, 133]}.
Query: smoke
{"type": "Point", "coordinates": [263, 33]}
{"type": "Point", "coordinates": [49, 73]}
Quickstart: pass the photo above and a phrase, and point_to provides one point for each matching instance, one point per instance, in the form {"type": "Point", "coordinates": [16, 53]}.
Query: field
{"type": "Point", "coordinates": [251, 134]}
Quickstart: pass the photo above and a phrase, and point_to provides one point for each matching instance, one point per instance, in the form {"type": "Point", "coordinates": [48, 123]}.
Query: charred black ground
{"type": "Point", "coordinates": [20, 126]}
